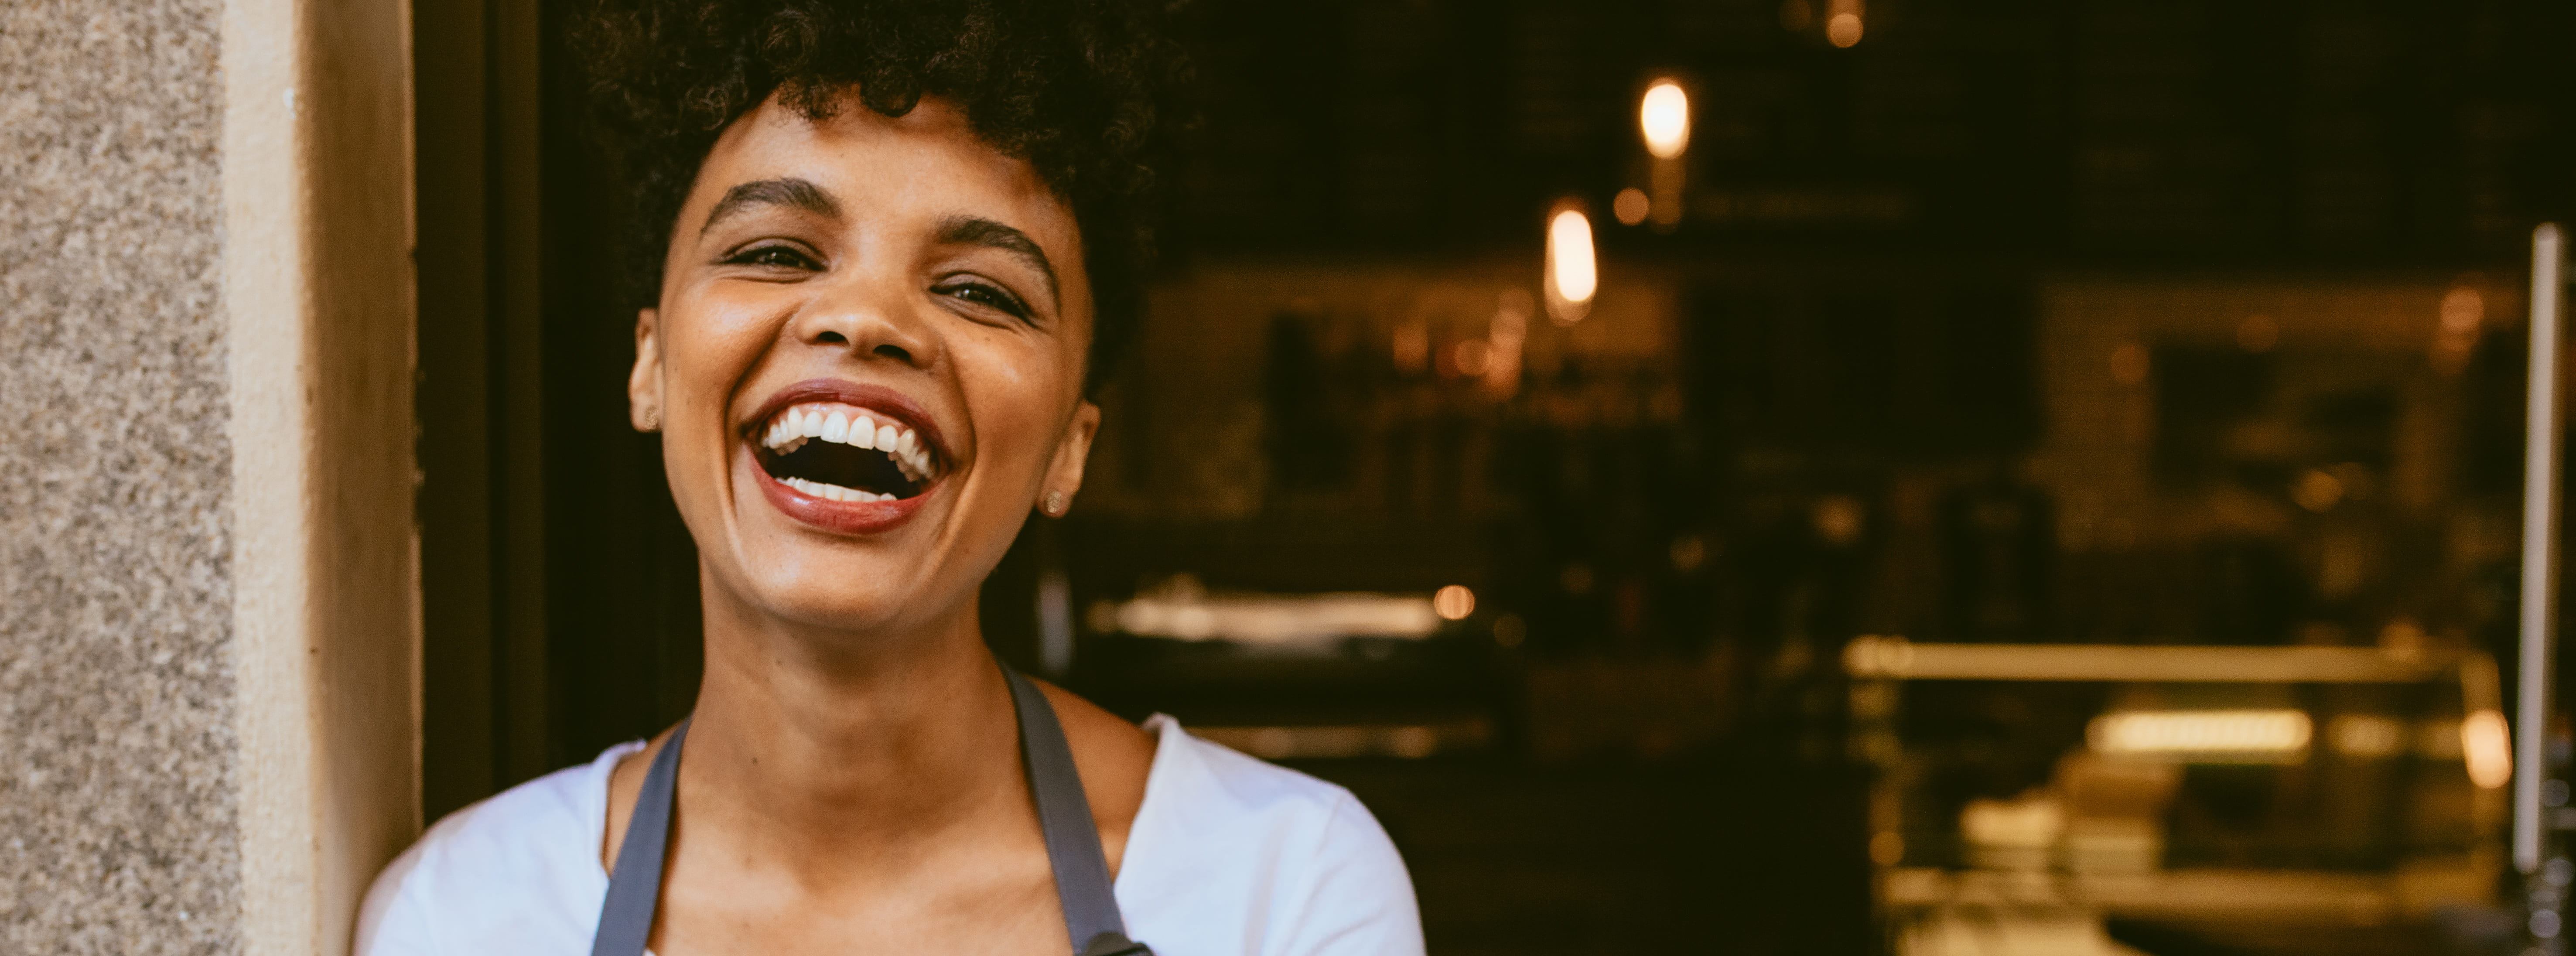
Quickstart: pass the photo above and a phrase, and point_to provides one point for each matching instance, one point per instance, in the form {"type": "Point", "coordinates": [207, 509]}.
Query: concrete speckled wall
{"type": "Point", "coordinates": [118, 829]}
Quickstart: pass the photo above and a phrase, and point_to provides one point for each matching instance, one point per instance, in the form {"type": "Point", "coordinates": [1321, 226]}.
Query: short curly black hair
{"type": "Point", "coordinates": [1090, 92]}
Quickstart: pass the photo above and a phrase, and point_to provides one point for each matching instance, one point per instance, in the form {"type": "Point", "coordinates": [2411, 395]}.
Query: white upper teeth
{"type": "Point", "coordinates": [848, 426]}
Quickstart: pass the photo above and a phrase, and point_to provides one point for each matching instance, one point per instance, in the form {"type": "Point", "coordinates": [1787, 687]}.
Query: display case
{"type": "Point", "coordinates": [2345, 794]}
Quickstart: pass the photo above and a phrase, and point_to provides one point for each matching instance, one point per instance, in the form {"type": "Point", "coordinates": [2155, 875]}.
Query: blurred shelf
{"type": "Point", "coordinates": [1330, 742]}
{"type": "Point", "coordinates": [2294, 896]}
{"type": "Point", "coordinates": [1899, 659]}
{"type": "Point", "coordinates": [1355, 682]}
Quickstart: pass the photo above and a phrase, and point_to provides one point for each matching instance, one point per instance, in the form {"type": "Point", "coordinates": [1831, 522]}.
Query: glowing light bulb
{"type": "Point", "coordinates": [1571, 236]}
{"type": "Point", "coordinates": [1571, 275]}
{"type": "Point", "coordinates": [2462, 309]}
{"type": "Point", "coordinates": [1631, 206]}
{"type": "Point", "coordinates": [1664, 116]}
{"type": "Point", "coordinates": [1454, 602]}
{"type": "Point", "coordinates": [2486, 745]}
{"type": "Point", "coordinates": [1844, 31]}
{"type": "Point", "coordinates": [1842, 23]}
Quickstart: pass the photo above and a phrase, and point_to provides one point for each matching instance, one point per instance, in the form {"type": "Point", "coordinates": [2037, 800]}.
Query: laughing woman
{"type": "Point", "coordinates": [895, 246]}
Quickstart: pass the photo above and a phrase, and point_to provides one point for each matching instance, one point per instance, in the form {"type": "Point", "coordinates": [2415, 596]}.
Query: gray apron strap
{"type": "Point", "coordinates": [1082, 885]}
{"type": "Point", "coordinates": [635, 887]}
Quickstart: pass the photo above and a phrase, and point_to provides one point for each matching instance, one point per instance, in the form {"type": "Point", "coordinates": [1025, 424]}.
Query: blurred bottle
{"type": "Point", "coordinates": [1998, 548]}
{"type": "Point", "coordinates": [1308, 444]}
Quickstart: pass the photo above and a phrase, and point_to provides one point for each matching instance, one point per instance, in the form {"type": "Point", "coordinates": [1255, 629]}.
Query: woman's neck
{"type": "Point", "coordinates": [813, 746]}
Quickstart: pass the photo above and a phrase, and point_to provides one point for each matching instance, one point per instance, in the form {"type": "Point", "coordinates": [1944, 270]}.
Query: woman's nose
{"type": "Point", "coordinates": [873, 317]}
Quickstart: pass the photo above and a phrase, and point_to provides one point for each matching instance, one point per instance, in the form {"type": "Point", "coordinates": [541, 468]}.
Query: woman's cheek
{"type": "Point", "coordinates": [1025, 382]}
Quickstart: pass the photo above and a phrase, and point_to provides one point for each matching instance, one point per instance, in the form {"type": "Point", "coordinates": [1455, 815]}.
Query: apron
{"type": "Point", "coordinates": [1064, 814]}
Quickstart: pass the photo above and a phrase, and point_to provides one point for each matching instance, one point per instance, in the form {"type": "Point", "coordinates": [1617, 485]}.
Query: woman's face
{"type": "Point", "coordinates": [867, 364]}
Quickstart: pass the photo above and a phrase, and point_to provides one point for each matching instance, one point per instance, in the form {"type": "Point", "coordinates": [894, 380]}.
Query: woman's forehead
{"type": "Point", "coordinates": [927, 162]}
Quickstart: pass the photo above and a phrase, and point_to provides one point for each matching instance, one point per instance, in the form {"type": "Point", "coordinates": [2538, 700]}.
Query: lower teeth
{"type": "Point", "coordinates": [834, 492]}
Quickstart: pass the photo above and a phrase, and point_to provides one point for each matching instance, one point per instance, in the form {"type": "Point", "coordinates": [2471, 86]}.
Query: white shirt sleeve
{"type": "Point", "coordinates": [1359, 899]}
{"type": "Point", "coordinates": [393, 921]}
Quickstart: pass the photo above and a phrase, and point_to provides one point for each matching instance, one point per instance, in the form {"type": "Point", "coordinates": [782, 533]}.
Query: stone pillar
{"type": "Point", "coordinates": [208, 584]}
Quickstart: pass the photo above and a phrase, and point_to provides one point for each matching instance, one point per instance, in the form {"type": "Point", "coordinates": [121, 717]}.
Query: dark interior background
{"type": "Point", "coordinates": [1860, 298]}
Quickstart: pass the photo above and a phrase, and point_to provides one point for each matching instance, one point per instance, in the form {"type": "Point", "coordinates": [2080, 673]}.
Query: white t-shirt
{"type": "Point", "coordinates": [1228, 855]}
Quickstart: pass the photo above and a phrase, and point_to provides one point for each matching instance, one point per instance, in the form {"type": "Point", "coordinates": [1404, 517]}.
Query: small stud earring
{"type": "Point", "coordinates": [1054, 503]}
{"type": "Point", "coordinates": [652, 416]}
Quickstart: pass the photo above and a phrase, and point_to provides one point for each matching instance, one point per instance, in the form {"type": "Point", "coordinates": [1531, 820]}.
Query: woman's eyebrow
{"type": "Point", "coordinates": [979, 231]}
{"type": "Point", "coordinates": [791, 192]}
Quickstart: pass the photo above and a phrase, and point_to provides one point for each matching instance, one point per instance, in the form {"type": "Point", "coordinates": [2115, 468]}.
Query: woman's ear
{"type": "Point", "coordinates": [1072, 451]}
{"type": "Point", "coordinates": [644, 382]}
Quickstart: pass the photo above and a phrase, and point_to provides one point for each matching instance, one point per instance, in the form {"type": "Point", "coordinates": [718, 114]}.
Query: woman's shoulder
{"type": "Point", "coordinates": [510, 874]}
{"type": "Point", "coordinates": [1220, 782]}
{"type": "Point", "coordinates": [1260, 857]}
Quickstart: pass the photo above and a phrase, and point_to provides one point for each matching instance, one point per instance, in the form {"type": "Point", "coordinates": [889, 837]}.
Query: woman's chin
{"type": "Point", "coordinates": [822, 594]}
{"type": "Point", "coordinates": [819, 609]}
{"type": "Point", "coordinates": [810, 561]}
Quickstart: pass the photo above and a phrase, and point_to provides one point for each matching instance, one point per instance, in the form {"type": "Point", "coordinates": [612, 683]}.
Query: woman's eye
{"type": "Point", "coordinates": [987, 296]}
{"type": "Point", "coordinates": [772, 257]}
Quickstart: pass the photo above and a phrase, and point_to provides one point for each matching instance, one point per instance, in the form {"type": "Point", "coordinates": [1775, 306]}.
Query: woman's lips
{"type": "Point", "coordinates": [844, 517]}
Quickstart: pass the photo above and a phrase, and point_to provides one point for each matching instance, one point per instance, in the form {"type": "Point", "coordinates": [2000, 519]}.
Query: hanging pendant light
{"type": "Point", "coordinates": [1571, 275]}
{"type": "Point", "coordinates": [1664, 119]}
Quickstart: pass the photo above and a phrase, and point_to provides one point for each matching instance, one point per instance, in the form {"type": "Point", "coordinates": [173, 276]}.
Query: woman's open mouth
{"type": "Point", "coordinates": [839, 452]}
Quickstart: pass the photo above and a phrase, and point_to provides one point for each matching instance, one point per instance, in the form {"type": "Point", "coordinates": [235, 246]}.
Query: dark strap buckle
{"type": "Point", "coordinates": [1114, 944]}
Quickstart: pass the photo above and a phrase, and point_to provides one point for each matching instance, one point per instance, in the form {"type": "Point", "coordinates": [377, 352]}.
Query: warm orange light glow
{"type": "Point", "coordinates": [2463, 311]}
{"type": "Point", "coordinates": [1664, 115]}
{"type": "Point", "coordinates": [1844, 30]}
{"type": "Point", "coordinates": [1630, 206]}
{"type": "Point", "coordinates": [2129, 364]}
{"type": "Point", "coordinates": [1887, 848]}
{"type": "Point", "coordinates": [2318, 490]}
{"type": "Point", "coordinates": [1193, 615]}
{"type": "Point", "coordinates": [1796, 16]}
{"type": "Point", "coordinates": [1688, 552]}
{"type": "Point", "coordinates": [2365, 735]}
{"type": "Point", "coordinates": [2486, 745]}
{"type": "Point", "coordinates": [2204, 736]}
{"type": "Point", "coordinates": [1842, 23]}
{"type": "Point", "coordinates": [1508, 332]}
{"type": "Point", "coordinates": [1571, 275]}
{"type": "Point", "coordinates": [1454, 602]}
{"type": "Point", "coordinates": [1412, 347]}
{"type": "Point", "coordinates": [1473, 357]}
